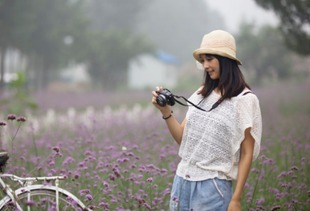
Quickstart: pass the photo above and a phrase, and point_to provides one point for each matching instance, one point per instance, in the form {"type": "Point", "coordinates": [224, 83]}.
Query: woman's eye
{"type": "Point", "coordinates": [206, 59]}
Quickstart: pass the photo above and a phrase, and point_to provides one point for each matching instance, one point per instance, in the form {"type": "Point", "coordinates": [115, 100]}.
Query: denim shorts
{"type": "Point", "coordinates": [211, 194]}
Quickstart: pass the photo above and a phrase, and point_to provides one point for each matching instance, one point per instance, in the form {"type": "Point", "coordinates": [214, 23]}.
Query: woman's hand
{"type": "Point", "coordinates": [234, 205]}
{"type": "Point", "coordinates": [165, 110]}
{"type": "Point", "coordinates": [175, 128]}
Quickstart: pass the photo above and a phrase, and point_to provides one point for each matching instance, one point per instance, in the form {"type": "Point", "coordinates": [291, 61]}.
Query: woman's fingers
{"type": "Point", "coordinates": [155, 93]}
{"type": "Point", "coordinates": [154, 97]}
{"type": "Point", "coordinates": [158, 88]}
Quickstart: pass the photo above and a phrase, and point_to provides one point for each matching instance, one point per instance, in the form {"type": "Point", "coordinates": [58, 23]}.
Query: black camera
{"type": "Point", "coordinates": [165, 97]}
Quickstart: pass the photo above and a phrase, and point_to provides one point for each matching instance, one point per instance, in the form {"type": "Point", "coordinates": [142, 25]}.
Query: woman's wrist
{"type": "Point", "coordinates": [236, 198]}
{"type": "Point", "coordinates": [167, 116]}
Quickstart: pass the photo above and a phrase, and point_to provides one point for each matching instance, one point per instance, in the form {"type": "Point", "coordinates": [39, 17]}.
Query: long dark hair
{"type": "Point", "coordinates": [231, 81]}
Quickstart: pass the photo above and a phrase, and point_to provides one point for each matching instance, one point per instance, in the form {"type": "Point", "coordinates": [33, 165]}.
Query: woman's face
{"type": "Point", "coordinates": [211, 65]}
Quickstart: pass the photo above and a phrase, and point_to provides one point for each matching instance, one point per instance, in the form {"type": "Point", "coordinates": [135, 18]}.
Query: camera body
{"type": "Point", "coordinates": [165, 97]}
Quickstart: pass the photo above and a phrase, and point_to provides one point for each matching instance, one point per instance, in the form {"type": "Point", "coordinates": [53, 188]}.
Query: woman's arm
{"type": "Point", "coordinates": [246, 157]}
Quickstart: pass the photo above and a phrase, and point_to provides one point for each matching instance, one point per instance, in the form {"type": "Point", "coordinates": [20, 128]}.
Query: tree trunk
{"type": "Point", "coordinates": [41, 79]}
{"type": "Point", "coordinates": [45, 75]}
{"type": "Point", "coordinates": [2, 68]}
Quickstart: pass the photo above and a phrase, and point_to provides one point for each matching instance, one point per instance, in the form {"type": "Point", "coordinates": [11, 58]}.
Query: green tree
{"type": "Point", "coordinates": [19, 100]}
{"type": "Point", "coordinates": [52, 33]}
{"type": "Point", "coordinates": [109, 54]}
{"type": "Point", "coordinates": [7, 20]}
{"type": "Point", "coordinates": [295, 22]}
{"type": "Point", "coordinates": [263, 53]}
{"type": "Point", "coordinates": [55, 21]}
{"type": "Point", "coordinates": [113, 41]}
{"type": "Point", "coordinates": [38, 28]}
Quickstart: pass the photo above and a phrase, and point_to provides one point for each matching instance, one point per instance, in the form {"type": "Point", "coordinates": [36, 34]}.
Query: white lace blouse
{"type": "Point", "coordinates": [211, 141]}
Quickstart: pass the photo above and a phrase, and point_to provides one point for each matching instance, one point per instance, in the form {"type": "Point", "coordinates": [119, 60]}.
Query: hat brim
{"type": "Point", "coordinates": [200, 51]}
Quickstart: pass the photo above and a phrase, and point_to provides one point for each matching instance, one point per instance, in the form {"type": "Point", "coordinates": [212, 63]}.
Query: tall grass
{"type": "Point", "coordinates": [125, 159]}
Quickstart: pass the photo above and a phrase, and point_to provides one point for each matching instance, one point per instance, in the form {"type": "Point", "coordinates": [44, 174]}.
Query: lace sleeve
{"type": "Point", "coordinates": [248, 116]}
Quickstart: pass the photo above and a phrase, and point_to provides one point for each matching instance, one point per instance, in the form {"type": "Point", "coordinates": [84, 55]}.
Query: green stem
{"type": "Point", "coordinates": [35, 150]}
{"type": "Point", "coordinates": [255, 187]}
{"type": "Point", "coordinates": [12, 139]}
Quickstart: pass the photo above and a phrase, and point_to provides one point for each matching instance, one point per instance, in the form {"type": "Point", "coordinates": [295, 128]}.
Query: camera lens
{"type": "Point", "coordinates": [161, 100]}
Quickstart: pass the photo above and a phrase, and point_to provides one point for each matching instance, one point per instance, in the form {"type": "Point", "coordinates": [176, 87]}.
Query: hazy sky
{"type": "Point", "coordinates": [234, 11]}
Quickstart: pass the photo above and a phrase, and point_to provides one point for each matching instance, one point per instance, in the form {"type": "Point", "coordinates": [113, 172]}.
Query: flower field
{"type": "Point", "coordinates": [123, 158]}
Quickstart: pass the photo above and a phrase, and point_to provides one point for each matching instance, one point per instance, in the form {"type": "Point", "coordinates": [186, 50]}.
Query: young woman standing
{"type": "Point", "coordinates": [219, 144]}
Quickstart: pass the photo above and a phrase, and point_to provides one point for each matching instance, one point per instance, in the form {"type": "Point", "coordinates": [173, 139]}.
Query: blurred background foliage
{"type": "Point", "coordinates": [107, 35]}
{"type": "Point", "coordinates": [19, 99]}
{"type": "Point", "coordinates": [294, 22]}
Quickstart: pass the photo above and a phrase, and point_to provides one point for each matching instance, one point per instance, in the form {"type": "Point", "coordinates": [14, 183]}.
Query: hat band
{"type": "Point", "coordinates": [225, 52]}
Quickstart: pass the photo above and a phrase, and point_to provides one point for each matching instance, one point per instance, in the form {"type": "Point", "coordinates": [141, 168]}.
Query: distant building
{"type": "Point", "coordinates": [75, 73]}
{"type": "Point", "coordinates": [148, 70]}
{"type": "Point", "coordinates": [73, 78]}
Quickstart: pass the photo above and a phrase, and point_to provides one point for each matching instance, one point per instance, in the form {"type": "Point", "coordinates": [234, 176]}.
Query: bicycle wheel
{"type": "Point", "coordinates": [41, 198]}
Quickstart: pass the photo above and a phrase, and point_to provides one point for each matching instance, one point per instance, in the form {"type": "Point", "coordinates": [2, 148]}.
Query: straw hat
{"type": "Point", "coordinates": [217, 42]}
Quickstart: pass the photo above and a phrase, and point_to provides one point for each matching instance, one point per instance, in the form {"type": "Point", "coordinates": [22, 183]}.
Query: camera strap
{"type": "Point", "coordinates": [175, 96]}
{"type": "Point", "coordinates": [196, 106]}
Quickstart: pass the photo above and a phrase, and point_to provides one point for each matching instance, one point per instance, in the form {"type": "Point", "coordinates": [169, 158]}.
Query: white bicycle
{"type": "Point", "coordinates": [35, 193]}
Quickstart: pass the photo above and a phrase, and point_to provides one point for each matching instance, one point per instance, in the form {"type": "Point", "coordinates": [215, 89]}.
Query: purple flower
{"type": "Point", "coordinates": [30, 202]}
{"type": "Point", "coordinates": [268, 161]}
{"type": "Point", "coordinates": [11, 117]}
{"type": "Point", "coordinates": [122, 160]}
{"type": "Point", "coordinates": [104, 205]}
{"type": "Point", "coordinates": [166, 192]}
{"type": "Point", "coordinates": [21, 119]}
{"type": "Point", "coordinates": [150, 179]}
{"type": "Point", "coordinates": [282, 174]}
{"type": "Point", "coordinates": [156, 200]}
{"type": "Point", "coordinates": [175, 199]}
{"type": "Point", "coordinates": [2, 124]}
{"type": "Point", "coordinates": [255, 170]}
{"type": "Point", "coordinates": [105, 184]}
{"type": "Point", "coordinates": [147, 206]}
{"type": "Point", "coordinates": [76, 175]}
{"type": "Point", "coordinates": [289, 172]}
{"type": "Point", "coordinates": [68, 160]}
{"type": "Point", "coordinates": [56, 149]}
{"type": "Point", "coordinates": [51, 163]}
{"type": "Point", "coordinates": [111, 177]}
{"type": "Point", "coordinates": [84, 192]}
{"type": "Point", "coordinates": [260, 201]}
{"type": "Point", "coordinates": [114, 200]}
{"type": "Point", "coordinates": [89, 197]}
{"type": "Point", "coordinates": [82, 164]}
{"type": "Point", "coordinates": [294, 168]}
{"type": "Point", "coordinates": [116, 172]}
{"type": "Point", "coordinates": [151, 166]}
{"type": "Point", "coordinates": [163, 171]}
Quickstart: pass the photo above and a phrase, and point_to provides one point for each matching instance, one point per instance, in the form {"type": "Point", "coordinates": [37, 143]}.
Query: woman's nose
{"type": "Point", "coordinates": [205, 64]}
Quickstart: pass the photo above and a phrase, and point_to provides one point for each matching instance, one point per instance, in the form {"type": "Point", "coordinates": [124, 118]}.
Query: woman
{"type": "Point", "coordinates": [216, 145]}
